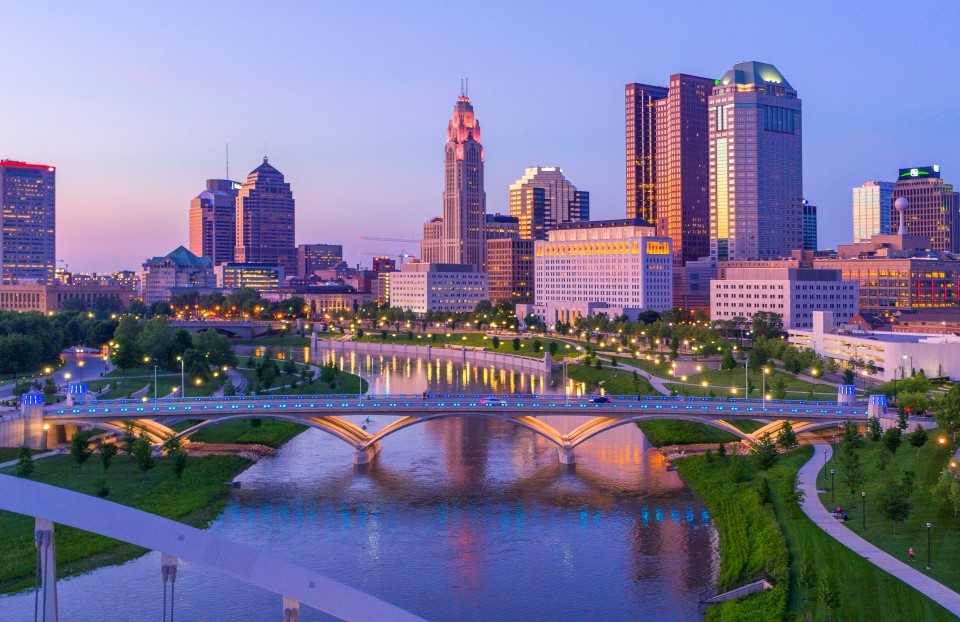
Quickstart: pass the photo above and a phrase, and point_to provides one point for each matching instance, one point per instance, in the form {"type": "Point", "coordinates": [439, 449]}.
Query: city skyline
{"type": "Point", "coordinates": [132, 143]}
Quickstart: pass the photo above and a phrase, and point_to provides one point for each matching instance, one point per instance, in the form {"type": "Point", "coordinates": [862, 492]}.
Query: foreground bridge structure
{"type": "Point", "coordinates": [328, 413]}
{"type": "Point", "coordinates": [176, 541]}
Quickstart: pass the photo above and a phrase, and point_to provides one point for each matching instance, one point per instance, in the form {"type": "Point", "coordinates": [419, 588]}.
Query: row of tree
{"type": "Point", "coordinates": [155, 342]}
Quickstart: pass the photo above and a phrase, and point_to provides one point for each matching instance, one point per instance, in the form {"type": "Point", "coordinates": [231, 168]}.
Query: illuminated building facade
{"type": "Point", "coordinates": [213, 221]}
{"type": "Point", "coordinates": [871, 209]}
{"type": "Point", "coordinates": [543, 199]}
{"type": "Point", "coordinates": [28, 243]}
{"type": "Point", "coordinates": [61, 297]}
{"type": "Point", "coordinates": [792, 293]}
{"type": "Point", "coordinates": [459, 237]}
{"type": "Point", "coordinates": [312, 257]}
{"type": "Point", "coordinates": [500, 226]}
{"type": "Point", "coordinates": [180, 270]}
{"type": "Point", "coordinates": [934, 209]}
{"type": "Point", "coordinates": [756, 183]}
{"type": "Point", "coordinates": [510, 270]}
{"type": "Point", "coordinates": [636, 267]}
{"type": "Point", "coordinates": [266, 219]}
{"type": "Point", "coordinates": [641, 118]}
{"type": "Point", "coordinates": [258, 276]}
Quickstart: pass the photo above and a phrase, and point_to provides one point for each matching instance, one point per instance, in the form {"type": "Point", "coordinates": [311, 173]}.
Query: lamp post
{"type": "Point", "coordinates": [155, 367]}
{"type": "Point", "coordinates": [763, 390]}
{"type": "Point", "coordinates": [704, 383]}
{"type": "Point", "coordinates": [929, 525]}
{"type": "Point", "coordinates": [909, 356]}
{"type": "Point", "coordinates": [183, 384]}
{"type": "Point", "coordinates": [863, 497]}
{"type": "Point", "coordinates": [833, 496]}
{"type": "Point", "coordinates": [746, 377]}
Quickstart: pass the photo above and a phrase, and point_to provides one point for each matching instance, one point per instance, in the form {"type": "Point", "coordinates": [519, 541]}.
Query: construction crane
{"type": "Point", "coordinates": [401, 256]}
{"type": "Point", "coordinates": [405, 240]}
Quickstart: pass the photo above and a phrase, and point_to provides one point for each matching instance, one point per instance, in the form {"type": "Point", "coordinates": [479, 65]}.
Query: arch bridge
{"type": "Point", "coordinates": [328, 413]}
{"type": "Point", "coordinates": [243, 329]}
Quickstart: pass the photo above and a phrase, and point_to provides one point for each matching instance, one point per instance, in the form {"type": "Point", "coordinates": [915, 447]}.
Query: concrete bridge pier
{"type": "Point", "coordinates": [34, 434]}
{"type": "Point", "coordinates": [566, 455]}
{"type": "Point", "coordinates": [168, 573]}
{"type": "Point", "coordinates": [291, 609]}
{"type": "Point", "coordinates": [365, 455]}
{"type": "Point", "coordinates": [47, 554]}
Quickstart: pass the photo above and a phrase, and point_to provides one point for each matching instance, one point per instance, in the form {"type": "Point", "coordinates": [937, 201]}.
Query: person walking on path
{"type": "Point", "coordinates": [910, 554]}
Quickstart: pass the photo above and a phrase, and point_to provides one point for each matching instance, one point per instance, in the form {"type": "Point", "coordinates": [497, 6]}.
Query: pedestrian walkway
{"type": "Point", "coordinates": [12, 463]}
{"type": "Point", "coordinates": [824, 519]}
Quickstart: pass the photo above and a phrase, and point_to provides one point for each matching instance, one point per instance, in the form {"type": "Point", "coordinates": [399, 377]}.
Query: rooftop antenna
{"type": "Point", "coordinates": [228, 160]}
{"type": "Point", "coordinates": [461, 86]}
{"type": "Point", "coordinates": [265, 150]}
{"type": "Point", "coordinates": [466, 91]}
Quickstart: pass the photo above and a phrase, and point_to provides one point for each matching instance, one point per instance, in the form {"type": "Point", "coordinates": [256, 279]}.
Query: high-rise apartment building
{"type": "Point", "coordinates": [499, 226]}
{"type": "Point", "coordinates": [28, 240]}
{"type": "Point", "coordinates": [266, 219]}
{"type": "Point", "coordinates": [641, 118]}
{"type": "Point", "coordinates": [809, 226]}
{"type": "Point", "coordinates": [871, 209]}
{"type": "Point", "coordinates": [213, 221]}
{"type": "Point", "coordinates": [934, 209]}
{"type": "Point", "coordinates": [543, 199]}
{"type": "Point", "coordinates": [510, 270]}
{"type": "Point", "coordinates": [459, 238]}
{"type": "Point", "coordinates": [756, 182]}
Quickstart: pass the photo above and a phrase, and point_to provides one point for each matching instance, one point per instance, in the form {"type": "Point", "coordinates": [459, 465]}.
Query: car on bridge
{"type": "Point", "coordinates": [491, 400]}
{"type": "Point", "coordinates": [600, 399]}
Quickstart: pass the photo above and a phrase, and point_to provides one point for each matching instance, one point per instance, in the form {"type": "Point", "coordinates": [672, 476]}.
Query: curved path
{"type": "Point", "coordinates": [813, 508]}
{"type": "Point", "coordinates": [248, 564]}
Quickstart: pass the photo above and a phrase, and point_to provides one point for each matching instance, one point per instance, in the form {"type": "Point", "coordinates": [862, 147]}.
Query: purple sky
{"type": "Point", "coordinates": [134, 105]}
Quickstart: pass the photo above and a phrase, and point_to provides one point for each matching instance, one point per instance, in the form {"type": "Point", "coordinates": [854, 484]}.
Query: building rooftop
{"type": "Point", "coordinates": [604, 224]}
{"type": "Point", "coordinates": [754, 72]}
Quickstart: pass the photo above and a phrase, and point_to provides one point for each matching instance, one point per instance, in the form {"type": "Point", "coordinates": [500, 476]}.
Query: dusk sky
{"type": "Point", "coordinates": [133, 104]}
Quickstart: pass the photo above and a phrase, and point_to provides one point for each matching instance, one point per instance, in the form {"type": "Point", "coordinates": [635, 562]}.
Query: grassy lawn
{"type": "Point", "coordinates": [196, 499]}
{"type": "Point", "coordinates": [291, 341]}
{"type": "Point", "coordinates": [753, 536]}
{"type": "Point", "coordinates": [344, 384]}
{"type": "Point", "coordinates": [122, 384]}
{"type": "Point", "coordinates": [926, 465]}
{"type": "Point", "coordinates": [663, 432]}
{"type": "Point", "coordinates": [270, 432]}
{"type": "Point", "coordinates": [12, 453]}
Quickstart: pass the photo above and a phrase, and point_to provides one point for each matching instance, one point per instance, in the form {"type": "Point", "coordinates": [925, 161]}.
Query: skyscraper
{"type": "Point", "coordinates": [28, 240]}
{"type": "Point", "coordinates": [543, 199]}
{"type": "Point", "coordinates": [213, 221]}
{"type": "Point", "coordinates": [682, 167]}
{"type": "Point", "coordinates": [266, 219]}
{"type": "Point", "coordinates": [460, 238]}
{"type": "Point", "coordinates": [756, 184]}
{"type": "Point", "coordinates": [871, 209]}
{"type": "Point", "coordinates": [641, 148]}
{"type": "Point", "coordinates": [934, 209]}
{"type": "Point", "coordinates": [809, 226]}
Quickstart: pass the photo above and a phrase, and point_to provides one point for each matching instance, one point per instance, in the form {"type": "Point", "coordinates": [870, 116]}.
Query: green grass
{"type": "Point", "coordinates": [291, 341]}
{"type": "Point", "coordinates": [663, 432]}
{"type": "Point", "coordinates": [196, 500]}
{"type": "Point", "coordinates": [12, 453]}
{"type": "Point", "coordinates": [344, 384]}
{"type": "Point", "coordinates": [271, 432]}
{"type": "Point", "coordinates": [926, 464]}
{"type": "Point", "coordinates": [616, 381]}
{"type": "Point", "coordinates": [746, 528]}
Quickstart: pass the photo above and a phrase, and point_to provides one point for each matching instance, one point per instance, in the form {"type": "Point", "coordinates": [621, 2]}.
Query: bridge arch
{"type": "Point", "coordinates": [155, 431]}
{"type": "Point", "coordinates": [595, 426]}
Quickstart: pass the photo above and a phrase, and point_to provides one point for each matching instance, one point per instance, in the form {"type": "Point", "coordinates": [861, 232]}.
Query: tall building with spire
{"type": "Point", "coordinates": [213, 221]}
{"type": "Point", "coordinates": [756, 170]}
{"type": "Point", "coordinates": [543, 198]}
{"type": "Point", "coordinates": [459, 238]}
{"type": "Point", "coordinates": [266, 219]}
{"type": "Point", "coordinates": [28, 237]}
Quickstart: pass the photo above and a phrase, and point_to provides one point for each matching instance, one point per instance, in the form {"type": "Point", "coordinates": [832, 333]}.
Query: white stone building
{"type": "Point", "coordinates": [614, 266]}
{"type": "Point", "coordinates": [791, 292]}
{"type": "Point", "coordinates": [423, 287]}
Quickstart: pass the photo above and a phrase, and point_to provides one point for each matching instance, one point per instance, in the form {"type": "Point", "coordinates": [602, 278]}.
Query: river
{"type": "Point", "coordinates": [457, 519]}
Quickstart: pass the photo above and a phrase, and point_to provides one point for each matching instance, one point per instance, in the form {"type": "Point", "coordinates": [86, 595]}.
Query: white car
{"type": "Point", "coordinates": [491, 400]}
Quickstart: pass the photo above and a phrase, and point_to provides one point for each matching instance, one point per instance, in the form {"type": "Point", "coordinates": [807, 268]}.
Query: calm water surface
{"type": "Point", "coordinates": [458, 519]}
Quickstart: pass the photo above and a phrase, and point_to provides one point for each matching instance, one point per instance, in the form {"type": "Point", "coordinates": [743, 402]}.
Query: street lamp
{"type": "Point", "coordinates": [155, 367]}
{"type": "Point", "coordinates": [80, 366]}
{"type": "Point", "coordinates": [183, 384]}
{"type": "Point", "coordinates": [863, 497]}
{"type": "Point", "coordinates": [746, 377]}
{"type": "Point", "coordinates": [929, 525]}
{"type": "Point", "coordinates": [908, 356]}
{"type": "Point", "coordinates": [763, 391]}
{"type": "Point", "coordinates": [704, 383]}
{"type": "Point", "coordinates": [833, 496]}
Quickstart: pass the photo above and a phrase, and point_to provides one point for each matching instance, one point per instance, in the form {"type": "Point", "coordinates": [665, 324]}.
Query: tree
{"type": "Point", "coordinates": [49, 387]}
{"type": "Point", "coordinates": [780, 388]}
{"type": "Point", "coordinates": [767, 324]}
{"type": "Point", "coordinates": [851, 438]}
{"type": "Point", "coordinates": [786, 437]}
{"type": "Point", "coordinates": [25, 466]}
{"type": "Point", "coordinates": [80, 447]}
{"type": "Point", "coordinates": [946, 491]}
{"type": "Point", "coordinates": [764, 452]}
{"type": "Point", "coordinates": [553, 347]}
{"type": "Point", "coordinates": [808, 576]}
{"type": "Point", "coordinates": [851, 473]}
{"type": "Point", "coordinates": [829, 591]}
{"type": "Point", "coordinates": [728, 361]}
{"type": "Point", "coordinates": [143, 453]}
{"type": "Point", "coordinates": [179, 459]}
{"type": "Point", "coordinates": [918, 438]}
{"type": "Point", "coordinates": [849, 375]}
{"type": "Point", "coordinates": [537, 345]}
{"type": "Point", "coordinates": [229, 389]}
{"type": "Point", "coordinates": [892, 439]}
{"type": "Point", "coordinates": [946, 410]}
{"type": "Point", "coordinates": [107, 452]}
{"type": "Point", "coordinates": [722, 450]}
{"type": "Point", "coordinates": [496, 342]}
{"type": "Point", "coordinates": [893, 499]}
{"type": "Point", "coordinates": [516, 344]}
{"type": "Point", "coordinates": [874, 432]}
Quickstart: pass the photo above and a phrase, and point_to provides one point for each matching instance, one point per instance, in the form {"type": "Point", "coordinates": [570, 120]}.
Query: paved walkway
{"type": "Point", "coordinates": [807, 481]}
{"type": "Point", "coordinates": [11, 463]}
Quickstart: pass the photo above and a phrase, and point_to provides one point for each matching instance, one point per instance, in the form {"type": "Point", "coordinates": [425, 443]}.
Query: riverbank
{"type": "Point", "coordinates": [777, 539]}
